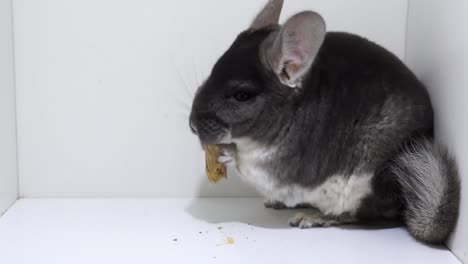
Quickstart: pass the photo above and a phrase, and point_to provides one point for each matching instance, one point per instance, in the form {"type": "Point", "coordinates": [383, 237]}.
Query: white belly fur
{"type": "Point", "coordinates": [335, 196]}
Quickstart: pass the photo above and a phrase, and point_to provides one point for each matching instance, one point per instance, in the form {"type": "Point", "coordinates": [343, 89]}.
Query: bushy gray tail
{"type": "Point", "coordinates": [430, 185]}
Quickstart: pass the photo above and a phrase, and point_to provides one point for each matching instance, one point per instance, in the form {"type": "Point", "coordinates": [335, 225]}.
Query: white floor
{"type": "Point", "coordinates": [140, 231]}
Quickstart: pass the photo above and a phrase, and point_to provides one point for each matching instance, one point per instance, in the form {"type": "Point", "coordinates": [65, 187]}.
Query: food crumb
{"type": "Point", "coordinates": [200, 232]}
{"type": "Point", "coordinates": [175, 240]}
{"type": "Point", "coordinates": [229, 240]}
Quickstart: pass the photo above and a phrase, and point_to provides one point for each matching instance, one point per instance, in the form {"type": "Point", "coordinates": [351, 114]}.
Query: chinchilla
{"type": "Point", "coordinates": [331, 120]}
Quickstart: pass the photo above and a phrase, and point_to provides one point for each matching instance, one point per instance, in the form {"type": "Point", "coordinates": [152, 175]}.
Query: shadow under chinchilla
{"type": "Point", "coordinates": [233, 201]}
{"type": "Point", "coordinates": [250, 211]}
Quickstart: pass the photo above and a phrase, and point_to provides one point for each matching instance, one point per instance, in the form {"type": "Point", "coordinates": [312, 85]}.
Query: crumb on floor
{"type": "Point", "coordinates": [229, 240]}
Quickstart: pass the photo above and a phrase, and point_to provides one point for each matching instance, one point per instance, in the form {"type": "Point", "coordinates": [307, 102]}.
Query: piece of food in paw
{"type": "Point", "coordinates": [214, 170]}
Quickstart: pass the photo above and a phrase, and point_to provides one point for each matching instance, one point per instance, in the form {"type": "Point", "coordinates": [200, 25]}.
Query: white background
{"type": "Point", "coordinates": [8, 177]}
{"type": "Point", "coordinates": [104, 88]}
{"type": "Point", "coordinates": [438, 53]}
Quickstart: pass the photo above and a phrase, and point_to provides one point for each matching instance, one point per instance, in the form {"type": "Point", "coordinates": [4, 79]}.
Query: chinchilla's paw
{"type": "Point", "coordinates": [227, 154]}
{"type": "Point", "coordinates": [274, 205]}
{"type": "Point", "coordinates": [304, 221]}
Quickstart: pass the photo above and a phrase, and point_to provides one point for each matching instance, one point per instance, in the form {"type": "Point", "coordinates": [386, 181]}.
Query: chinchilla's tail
{"type": "Point", "coordinates": [430, 187]}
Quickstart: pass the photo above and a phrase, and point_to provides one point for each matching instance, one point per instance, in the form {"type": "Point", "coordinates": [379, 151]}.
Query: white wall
{"type": "Point", "coordinates": [438, 53]}
{"type": "Point", "coordinates": [8, 176]}
{"type": "Point", "coordinates": [104, 87]}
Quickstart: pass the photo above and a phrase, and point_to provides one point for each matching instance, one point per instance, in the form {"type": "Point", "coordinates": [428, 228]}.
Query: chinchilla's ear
{"type": "Point", "coordinates": [269, 15]}
{"type": "Point", "coordinates": [293, 50]}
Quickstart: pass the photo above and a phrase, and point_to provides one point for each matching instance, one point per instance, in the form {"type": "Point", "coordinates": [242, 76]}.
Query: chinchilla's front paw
{"type": "Point", "coordinates": [227, 154]}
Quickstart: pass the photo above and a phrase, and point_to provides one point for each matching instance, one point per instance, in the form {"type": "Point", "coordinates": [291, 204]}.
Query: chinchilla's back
{"type": "Point", "coordinates": [360, 104]}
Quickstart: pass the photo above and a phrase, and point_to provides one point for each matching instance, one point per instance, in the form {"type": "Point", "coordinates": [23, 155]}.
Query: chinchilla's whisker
{"type": "Point", "coordinates": [183, 104]}
{"type": "Point", "coordinates": [180, 101]}
{"type": "Point", "coordinates": [198, 77]}
{"type": "Point", "coordinates": [183, 81]}
{"type": "Point", "coordinates": [185, 85]}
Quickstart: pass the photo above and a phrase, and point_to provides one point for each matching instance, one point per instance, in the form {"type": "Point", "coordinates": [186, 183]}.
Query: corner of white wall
{"type": "Point", "coordinates": [8, 161]}
{"type": "Point", "coordinates": [437, 51]}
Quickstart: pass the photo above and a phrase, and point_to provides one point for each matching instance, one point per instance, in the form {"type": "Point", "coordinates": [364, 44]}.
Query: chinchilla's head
{"type": "Point", "coordinates": [254, 85]}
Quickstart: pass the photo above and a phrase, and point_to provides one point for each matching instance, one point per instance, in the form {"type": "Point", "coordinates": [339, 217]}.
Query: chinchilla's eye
{"type": "Point", "coordinates": [242, 96]}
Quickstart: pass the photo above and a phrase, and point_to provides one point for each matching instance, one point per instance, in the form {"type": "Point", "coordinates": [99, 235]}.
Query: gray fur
{"type": "Point", "coordinates": [431, 189]}
{"type": "Point", "coordinates": [336, 140]}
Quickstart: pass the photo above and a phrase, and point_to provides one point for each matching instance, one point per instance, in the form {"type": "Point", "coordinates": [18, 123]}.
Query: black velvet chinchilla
{"type": "Point", "coordinates": [330, 120]}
